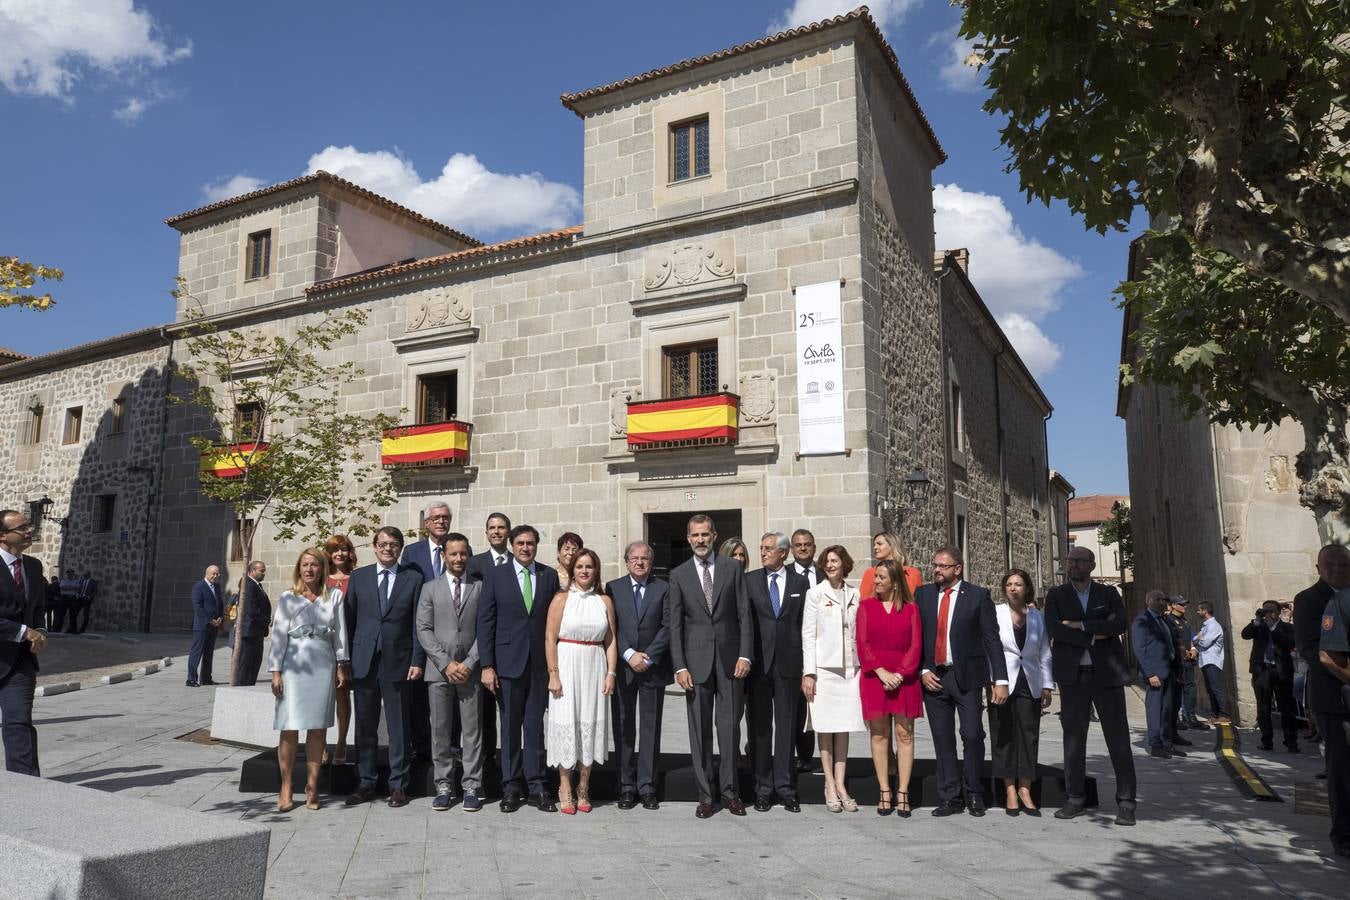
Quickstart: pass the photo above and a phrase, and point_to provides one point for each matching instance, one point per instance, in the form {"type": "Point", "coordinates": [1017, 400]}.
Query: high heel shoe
{"type": "Point", "coordinates": [1027, 807]}
{"type": "Point", "coordinates": [567, 806]}
{"type": "Point", "coordinates": [312, 799]}
{"type": "Point", "coordinates": [850, 805]}
{"type": "Point", "coordinates": [884, 807]}
{"type": "Point", "coordinates": [903, 811]}
{"type": "Point", "coordinates": [584, 802]}
{"type": "Point", "coordinates": [285, 806]}
{"type": "Point", "coordinates": [834, 804]}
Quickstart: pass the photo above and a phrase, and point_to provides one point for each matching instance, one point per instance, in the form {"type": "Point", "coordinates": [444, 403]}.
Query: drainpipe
{"type": "Point", "coordinates": [156, 492]}
{"type": "Point", "coordinates": [1002, 463]}
{"type": "Point", "coordinates": [946, 406]}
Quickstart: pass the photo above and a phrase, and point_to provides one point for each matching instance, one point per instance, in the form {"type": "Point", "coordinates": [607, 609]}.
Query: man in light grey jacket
{"type": "Point", "coordinates": [447, 628]}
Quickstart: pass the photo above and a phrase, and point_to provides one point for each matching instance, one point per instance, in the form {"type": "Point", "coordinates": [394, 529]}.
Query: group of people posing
{"type": "Point", "coordinates": [569, 663]}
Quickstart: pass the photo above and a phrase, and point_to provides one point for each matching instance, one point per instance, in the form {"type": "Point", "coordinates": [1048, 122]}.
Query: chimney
{"type": "Point", "coordinates": [961, 256]}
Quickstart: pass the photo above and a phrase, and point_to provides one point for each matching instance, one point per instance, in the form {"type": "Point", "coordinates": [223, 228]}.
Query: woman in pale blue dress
{"type": "Point", "coordinates": [308, 642]}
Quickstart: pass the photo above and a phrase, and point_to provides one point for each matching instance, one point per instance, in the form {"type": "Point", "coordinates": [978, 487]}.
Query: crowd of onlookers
{"type": "Point", "coordinates": [70, 602]}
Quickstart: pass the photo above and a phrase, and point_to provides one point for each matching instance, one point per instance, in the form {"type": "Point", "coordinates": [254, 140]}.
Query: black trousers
{"type": "Point", "coordinates": [1173, 711]}
{"type": "Point", "coordinates": [639, 699]}
{"type": "Point", "coordinates": [1076, 703]}
{"type": "Point", "coordinates": [1187, 692]}
{"type": "Point", "coordinates": [16, 711]}
{"type": "Point", "coordinates": [419, 725]}
{"type": "Point", "coordinates": [369, 696]}
{"type": "Point", "coordinates": [715, 706]}
{"type": "Point", "coordinates": [80, 611]}
{"type": "Point", "coordinates": [248, 661]}
{"type": "Point", "coordinates": [773, 708]}
{"type": "Point", "coordinates": [524, 699]}
{"type": "Point", "coordinates": [942, 708]}
{"type": "Point", "coordinates": [1214, 684]}
{"type": "Point", "coordinates": [203, 646]}
{"type": "Point", "coordinates": [1015, 736]}
{"type": "Point", "coordinates": [1269, 686]}
{"type": "Point", "coordinates": [1157, 706]}
{"type": "Point", "coordinates": [1336, 733]}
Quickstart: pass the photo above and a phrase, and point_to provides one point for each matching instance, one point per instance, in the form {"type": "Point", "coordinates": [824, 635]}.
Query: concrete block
{"type": "Point", "coordinates": [116, 679]}
{"type": "Point", "coordinates": [85, 843]}
{"type": "Point", "coordinates": [147, 669]}
{"type": "Point", "coordinates": [51, 690]}
{"type": "Point", "coordinates": [244, 715]}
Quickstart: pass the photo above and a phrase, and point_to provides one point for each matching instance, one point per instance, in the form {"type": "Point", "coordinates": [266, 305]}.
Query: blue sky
{"type": "Point", "coordinates": [123, 112]}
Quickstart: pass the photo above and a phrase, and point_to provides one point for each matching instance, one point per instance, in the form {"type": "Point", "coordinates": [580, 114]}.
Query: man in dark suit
{"type": "Point", "coordinates": [1085, 620]}
{"type": "Point", "coordinates": [711, 645]}
{"type": "Point", "coordinates": [1154, 651]}
{"type": "Point", "coordinates": [1333, 573]}
{"type": "Point", "coordinates": [1334, 719]}
{"type": "Point", "coordinates": [85, 606]}
{"type": "Point", "coordinates": [428, 557]}
{"type": "Point", "coordinates": [640, 616]}
{"type": "Point", "coordinates": [804, 563]}
{"type": "Point", "coordinates": [777, 597]}
{"type": "Point", "coordinates": [255, 621]}
{"type": "Point", "coordinates": [381, 610]}
{"type": "Point", "coordinates": [498, 552]}
{"type": "Point", "coordinates": [22, 597]}
{"type": "Point", "coordinates": [512, 617]}
{"type": "Point", "coordinates": [1272, 670]}
{"type": "Point", "coordinates": [962, 656]}
{"type": "Point", "coordinates": [208, 611]}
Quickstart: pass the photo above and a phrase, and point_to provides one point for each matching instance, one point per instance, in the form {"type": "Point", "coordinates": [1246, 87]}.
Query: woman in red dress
{"type": "Point", "coordinates": [890, 650]}
{"type": "Point", "coordinates": [342, 555]}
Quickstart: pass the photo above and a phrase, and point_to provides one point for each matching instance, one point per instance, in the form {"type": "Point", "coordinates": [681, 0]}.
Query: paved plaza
{"type": "Point", "coordinates": [1197, 835]}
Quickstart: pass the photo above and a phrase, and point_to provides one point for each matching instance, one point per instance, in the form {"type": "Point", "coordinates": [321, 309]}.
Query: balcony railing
{"type": "Point", "coordinates": [438, 444]}
{"type": "Point", "coordinates": [707, 420]}
{"type": "Point", "coordinates": [232, 460]}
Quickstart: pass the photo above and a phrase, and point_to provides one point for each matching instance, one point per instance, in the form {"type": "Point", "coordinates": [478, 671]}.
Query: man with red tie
{"type": "Point", "coordinates": [22, 594]}
{"type": "Point", "coordinates": [962, 655]}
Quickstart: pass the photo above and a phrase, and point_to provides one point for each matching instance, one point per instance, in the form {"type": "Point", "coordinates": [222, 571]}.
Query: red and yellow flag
{"type": "Point", "coordinates": [231, 460]}
{"type": "Point", "coordinates": [711, 418]}
{"type": "Point", "coordinates": [443, 442]}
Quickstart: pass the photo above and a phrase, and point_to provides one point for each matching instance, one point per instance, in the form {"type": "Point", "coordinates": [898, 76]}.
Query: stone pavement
{"type": "Point", "coordinates": [1197, 835]}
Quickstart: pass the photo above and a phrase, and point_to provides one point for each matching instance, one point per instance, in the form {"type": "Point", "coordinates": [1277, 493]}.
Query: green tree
{"type": "Point", "coordinates": [1226, 123]}
{"type": "Point", "coordinates": [1119, 531]}
{"type": "Point", "coordinates": [18, 276]}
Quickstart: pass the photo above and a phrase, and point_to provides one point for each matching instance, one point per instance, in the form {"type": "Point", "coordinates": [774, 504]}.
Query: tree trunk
{"type": "Point", "coordinates": [1324, 470]}
{"type": "Point", "coordinates": [246, 540]}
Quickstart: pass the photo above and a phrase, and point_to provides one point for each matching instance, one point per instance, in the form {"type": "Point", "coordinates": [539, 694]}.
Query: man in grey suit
{"type": "Point", "coordinates": [447, 628]}
{"type": "Point", "coordinates": [711, 642]}
{"type": "Point", "coordinates": [640, 615]}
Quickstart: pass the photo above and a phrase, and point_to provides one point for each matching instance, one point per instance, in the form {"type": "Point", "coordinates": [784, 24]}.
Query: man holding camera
{"type": "Point", "coordinates": [1272, 670]}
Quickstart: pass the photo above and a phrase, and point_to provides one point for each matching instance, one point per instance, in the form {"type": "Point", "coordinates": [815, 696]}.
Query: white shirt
{"type": "Point", "coordinates": [808, 572]}
{"type": "Point", "coordinates": [520, 578]}
{"type": "Point", "coordinates": [1083, 599]}
{"type": "Point", "coordinates": [379, 573]}
{"type": "Point", "coordinates": [633, 586]}
{"type": "Point", "coordinates": [9, 564]}
{"type": "Point", "coordinates": [707, 564]}
{"type": "Point", "coordinates": [955, 588]}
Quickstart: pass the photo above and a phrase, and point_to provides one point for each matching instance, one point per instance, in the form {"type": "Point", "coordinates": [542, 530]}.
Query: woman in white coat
{"type": "Point", "coordinates": [830, 671]}
{"type": "Point", "coordinates": [1015, 726]}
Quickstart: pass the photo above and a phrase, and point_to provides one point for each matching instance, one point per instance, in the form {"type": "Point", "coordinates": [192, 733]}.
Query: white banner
{"type": "Point", "coordinates": [820, 369]}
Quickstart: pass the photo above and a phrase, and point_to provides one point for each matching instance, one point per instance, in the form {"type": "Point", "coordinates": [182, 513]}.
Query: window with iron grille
{"type": "Point", "coordinates": [437, 397]}
{"type": "Point", "coordinates": [119, 417]}
{"type": "Point", "coordinates": [74, 418]}
{"type": "Point", "coordinates": [690, 370]}
{"type": "Point", "coordinates": [248, 422]}
{"type": "Point", "coordinates": [104, 507]}
{"type": "Point", "coordinates": [689, 149]}
{"type": "Point", "coordinates": [34, 433]}
{"type": "Point", "coordinates": [259, 254]}
{"type": "Point", "coordinates": [242, 529]}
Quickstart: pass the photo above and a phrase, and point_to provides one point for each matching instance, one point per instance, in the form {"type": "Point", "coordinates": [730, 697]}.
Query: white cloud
{"type": "Point", "coordinates": [1018, 277]}
{"type": "Point", "coordinates": [131, 111]}
{"type": "Point", "coordinates": [465, 195]}
{"type": "Point", "coordinates": [50, 44]}
{"type": "Point", "coordinates": [954, 73]}
{"type": "Point", "coordinates": [804, 12]}
{"type": "Point", "coordinates": [235, 186]}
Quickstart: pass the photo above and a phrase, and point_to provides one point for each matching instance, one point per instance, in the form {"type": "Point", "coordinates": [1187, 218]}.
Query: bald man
{"type": "Point", "coordinates": [208, 612]}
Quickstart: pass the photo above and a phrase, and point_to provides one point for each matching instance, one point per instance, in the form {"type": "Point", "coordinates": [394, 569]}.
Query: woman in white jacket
{"type": "Point", "coordinates": [1015, 726]}
{"type": "Point", "coordinates": [830, 671]}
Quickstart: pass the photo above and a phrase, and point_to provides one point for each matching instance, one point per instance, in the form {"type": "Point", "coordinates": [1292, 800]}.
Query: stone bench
{"type": "Point", "coordinates": [244, 715]}
{"type": "Point", "coordinates": [66, 841]}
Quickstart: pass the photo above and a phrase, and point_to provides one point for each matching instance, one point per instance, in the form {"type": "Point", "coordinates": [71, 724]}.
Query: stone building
{"type": "Point", "coordinates": [715, 190]}
{"type": "Point", "coordinates": [1087, 514]}
{"type": "Point", "coordinates": [1061, 492]}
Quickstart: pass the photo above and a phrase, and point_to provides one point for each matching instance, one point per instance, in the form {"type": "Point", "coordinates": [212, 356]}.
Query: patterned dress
{"type": "Point", "coordinates": [579, 720]}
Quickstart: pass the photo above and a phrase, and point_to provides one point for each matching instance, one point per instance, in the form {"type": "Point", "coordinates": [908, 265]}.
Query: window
{"type": "Point", "coordinates": [689, 370]}
{"type": "Point", "coordinates": [961, 537]}
{"type": "Point", "coordinates": [104, 506]}
{"type": "Point", "coordinates": [1037, 573]}
{"type": "Point", "coordinates": [957, 426]}
{"type": "Point", "coordinates": [248, 422]}
{"type": "Point", "coordinates": [437, 397]}
{"type": "Point", "coordinates": [33, 434]}
{"type": "Point", "coordinates": [258, 262]}
{"type": "Point", "coordinates": [243, 528]}
{"type": "Point", "coordinates": [689, 149]}
{"type": "Point", "coordinates": [119, 417]}
{"type": "Point", "coordinates": [1007, 551]}
{"type": "Point", "coordinates": [71, 433]}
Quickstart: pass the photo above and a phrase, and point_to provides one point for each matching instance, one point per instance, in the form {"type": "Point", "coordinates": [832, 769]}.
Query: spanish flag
{"type": "Point", "coordinates": [231, 460]}
{"type": "Point", "coordinates": [446, 443]}
{"type": "Point", "coordinates": [708, 419]}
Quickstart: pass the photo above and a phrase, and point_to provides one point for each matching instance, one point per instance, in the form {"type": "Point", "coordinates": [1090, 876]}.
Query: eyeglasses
{"type": "Point", "coordinates": [26, 526]}
{"type": "Point", "coordinates": [945, 565]}
{"type": "Point", "coordinates": [639, 559]}
{"type": "Point", "coordinates": [438, 518]}
{"type": "Point", "coordinates": [387, 545]}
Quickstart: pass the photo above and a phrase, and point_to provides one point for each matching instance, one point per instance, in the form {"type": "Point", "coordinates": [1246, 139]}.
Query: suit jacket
{"type": "Point", "coordinates": [206, 604]}
{"type": "Point", "coordinates": [974, 642]}
{"type": "Point", "coordinates": [1033, 657]}
{"type": "Point", "coordinates": [393, 632]}
{"type": "Point", "coordinates": [481, 563]}
{"type": "Point", "coordinates": [26, 608]}
{"type": "Point", "coordinates": [1261, 635]}
{"type": "Point", "coordinates": [818, 573]}
{"type": "Point", "coordinates": [1105, 617]}
{"type": "Point", "coordinates": [778, 640]}
{"type": "Point", "coordinates": [830, 630]}
{"type": "Point", "coordinates": [418, 556]}
{"type": "Point", "coordinates": [510, 639]}
{"type": "Point", "coordinates": [444, 634]}
{"type": "Point", "coordinates": [1153, 645]}
{"type": "Point", "coordinates": [255, 620]}
{"type": "Point", "coordinates": [697, 636]}
{"type": "Point", "coordinates": [648, 630]}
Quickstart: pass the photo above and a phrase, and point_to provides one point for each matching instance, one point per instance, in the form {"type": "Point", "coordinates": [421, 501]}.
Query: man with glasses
{"type": "Point", "coordinates": [644, 643]}
{"type": "Point", "coordinates": [428, 557]}
{"type": "Point", "coordinates": [255, 623]}
{"type": "Point", "coordinates": [22, 595]}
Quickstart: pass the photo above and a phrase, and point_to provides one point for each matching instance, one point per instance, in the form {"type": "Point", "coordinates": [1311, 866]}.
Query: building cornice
{"type": "Point", "coordinates": [131, 342]}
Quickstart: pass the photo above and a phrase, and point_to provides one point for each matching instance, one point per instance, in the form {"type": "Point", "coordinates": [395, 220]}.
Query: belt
{"type": "Point", "coordinates": [940, 670]}
{"type": "Point", "coordinates": [583, 643]}
{"type": "Point", "coordinates": [1087, 668]}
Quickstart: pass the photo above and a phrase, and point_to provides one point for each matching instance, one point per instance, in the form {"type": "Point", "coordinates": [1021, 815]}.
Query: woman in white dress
{"type": "Point", "coordinates": [830, 671]}
{"type": "Point", "coordinates": [582, 660]}
{"type": "Point", "coordinates": [308, 642]}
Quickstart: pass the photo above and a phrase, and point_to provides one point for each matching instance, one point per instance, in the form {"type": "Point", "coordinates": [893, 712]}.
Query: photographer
{"type": "Point", "coordinates": [1272, 670]}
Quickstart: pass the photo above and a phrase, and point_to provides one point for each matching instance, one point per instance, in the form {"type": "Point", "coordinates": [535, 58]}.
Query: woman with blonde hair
{"type": "Point", "coordinates": [308, 641]}
{"type": "Point", "coordinates": [341, 562]}
{"type": "Point", "coordinates": [890, 651]}
{"type": "Point", "coordinates": [734, 548]}
{"type": "Point", "coordinates": [886, 545]}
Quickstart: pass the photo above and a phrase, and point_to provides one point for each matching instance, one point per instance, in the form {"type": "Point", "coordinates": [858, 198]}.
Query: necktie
{"type": "Point", "coordinates": [528, 591]}
{"type": "Point", "coordinates": [940, 643]}
{"type": "Point", "coordinates": [707, 585]}
{"type": "Point", "coordinates": [775, 598]}
{"type": "Point", "coordinates": [501, 559]}
{"type": "Point", "coordinates": [17, 566]}
{"type": "Point", "coordinates": [384, 592]}
{"type": "Point", "coordinates": [437, 560]}
{"type": "Point", "coordinates": [459, 604]}
{"type": "Point", "coordinates": [637, 597]}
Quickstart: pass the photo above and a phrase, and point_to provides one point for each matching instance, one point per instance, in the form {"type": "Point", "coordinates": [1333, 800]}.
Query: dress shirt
{"type": "Point", "coordinates": [1083, 601]}
{"type": "Point", "coordinates": [806, 571]}
{"type": "Point", "coordinates": [955, 588]}
{"type": "Point", "coordinates": [9, 564]}
{"type": "Point", "coordinates": [633, 585]}
{"type": "Point", "coordinates": [520, 578]}
{"type": "Point", "coordinates": [707, 564]}
{"type": "Point", "coordinates": [772, 578]}
{"type": "Point", "coordinates": [1210, 642]}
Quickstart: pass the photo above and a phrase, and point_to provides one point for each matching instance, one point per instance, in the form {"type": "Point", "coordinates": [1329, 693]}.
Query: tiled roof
{"type": "Point", "coordinates": [330, 178]}
{"type": "Point", "coordinates": [561, 236]}
{"type": "Point", "coordinates": [861, 14]}
{"type": "Point", "coordinates": [6, 353]}
{"type": "Point", "coordinates": [1093, 509]}
{"type": "Point", "coordinates": [118, 343]}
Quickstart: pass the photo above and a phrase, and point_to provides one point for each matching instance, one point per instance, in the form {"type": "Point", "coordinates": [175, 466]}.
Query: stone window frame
{"type": "Point", "coordinates": [32, 434]}
{"type": "Point", "coordinates": [680, 327]}
{"type": "Point", "coordinates": [677, 109]}
{"type": "Point", "coordinates": [72, 424]}
{"type": "Point", "coordinates": [264, 220]}
{"type": "Point", "coordinates": [104, 519]}
{"type": "Point", "coordinates": [956, 429]}
{"type": "Point", "coordinates": [237, 530]}
{"type": "Point", "coordinates": [117, 422]}
{"type": "Point", "coordinates": [262, 236]}
{"type": "Point", "coordinates": [438, 361]}
{"type": "Point", "coordinates": [419, 408]}
{"type": "Point", "coordinates": [676, 130]}
{"type": "Point", "coordinates": [696, 351]}
{"type": "Point", "coordinates": [961, 533]}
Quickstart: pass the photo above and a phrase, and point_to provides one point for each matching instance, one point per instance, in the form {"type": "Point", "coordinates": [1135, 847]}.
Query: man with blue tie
{"type": "Point", "coordinates": [512, 616]}
{"type": "Point", "coordinates": [208, 611]}
{"type": "Point", "coordinates": [22, 637]}
{"type": "Point", "coordinates": [641, 624]}
{"type": "Point", "coordinates": [1154, 651]}
{"type": "Point", "coordinates": [381, 610]}
{"type": "Point", "coordinates": [428, 557]}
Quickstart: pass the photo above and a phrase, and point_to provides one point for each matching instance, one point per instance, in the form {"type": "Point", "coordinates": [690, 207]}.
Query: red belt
{"type": "Point", "coordinates": [583, 643]}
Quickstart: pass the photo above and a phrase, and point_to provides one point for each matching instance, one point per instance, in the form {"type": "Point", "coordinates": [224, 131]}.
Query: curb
{"type": "Point", "coordinates": [51, 690]}
{"type": "Point", "coordinates": [115, 679]}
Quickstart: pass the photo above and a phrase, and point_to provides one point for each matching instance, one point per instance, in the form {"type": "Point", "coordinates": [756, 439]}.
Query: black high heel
{"type": "Point", "coordinates": [884, 806]}
{"type": "Point", "coordinates": [903, 812]}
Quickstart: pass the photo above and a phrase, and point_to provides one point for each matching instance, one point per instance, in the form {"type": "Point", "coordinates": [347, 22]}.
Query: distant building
{"type": "Point", "coordinates": [1086, 515]}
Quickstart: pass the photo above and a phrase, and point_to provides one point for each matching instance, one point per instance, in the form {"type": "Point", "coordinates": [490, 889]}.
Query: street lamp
{"type": "Point", "coordinates": [45, 507]}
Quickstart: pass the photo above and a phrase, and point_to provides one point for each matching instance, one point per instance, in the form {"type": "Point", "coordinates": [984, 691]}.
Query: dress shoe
{"type": "Point", "coordinates": [1292, 747]}
{"type": "Point", "coordinates": [1175, 752]}
{"type": "Point", "coordinates": [1183, 726]}
{"type": "Point", "coordinates": [544, 802]}
{"type": "Point", "coordinates": [649, 801]}
{"type": "Point", "coordinates": [627, 800]}
{"type": "Point", "coordinates": [950, 808]}
{"type": "Point", "coordinates": [191, 684]}
{"type": "Point", "coordinates": [804, 766]}
{"type": "Point", "coordinates": [442, 801]}
{"type": "Point", "coordinates": [1197, 725]}
{"type": "Point", "coordinates": [397, 798]}
{"type": "Point", "coordinates": [976, 806]}
{"type": "Point", "coordinates": [207, 682]}
{"type": "Point", "coordinates": [471, 803]}
{"type": "Point", "coordinates": [511, 802]}
{"type": "Point", "coordinates": [791, 804]}
{"type": "Point", "coordinates": [1267, 745]}
{"type": "Point", "coordinates": [1343, 851]}
{"type": "Point", "coordinates": [734, 806]}
{"type": "Point", "coordinates": [1125, 815]}
{"type": "Point", "coordinates": [1182, 742]}
{"type": "Point", "coordinates": [763, 804]}
{"type": "Point", "coordinates": [1159, 752]}
{"type": "Point", "coordinates": [705, 810]}
{"type": "Point", "coordinates": [1070, 810]}
{"type": "Point", "coordinates": [363, 794]}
